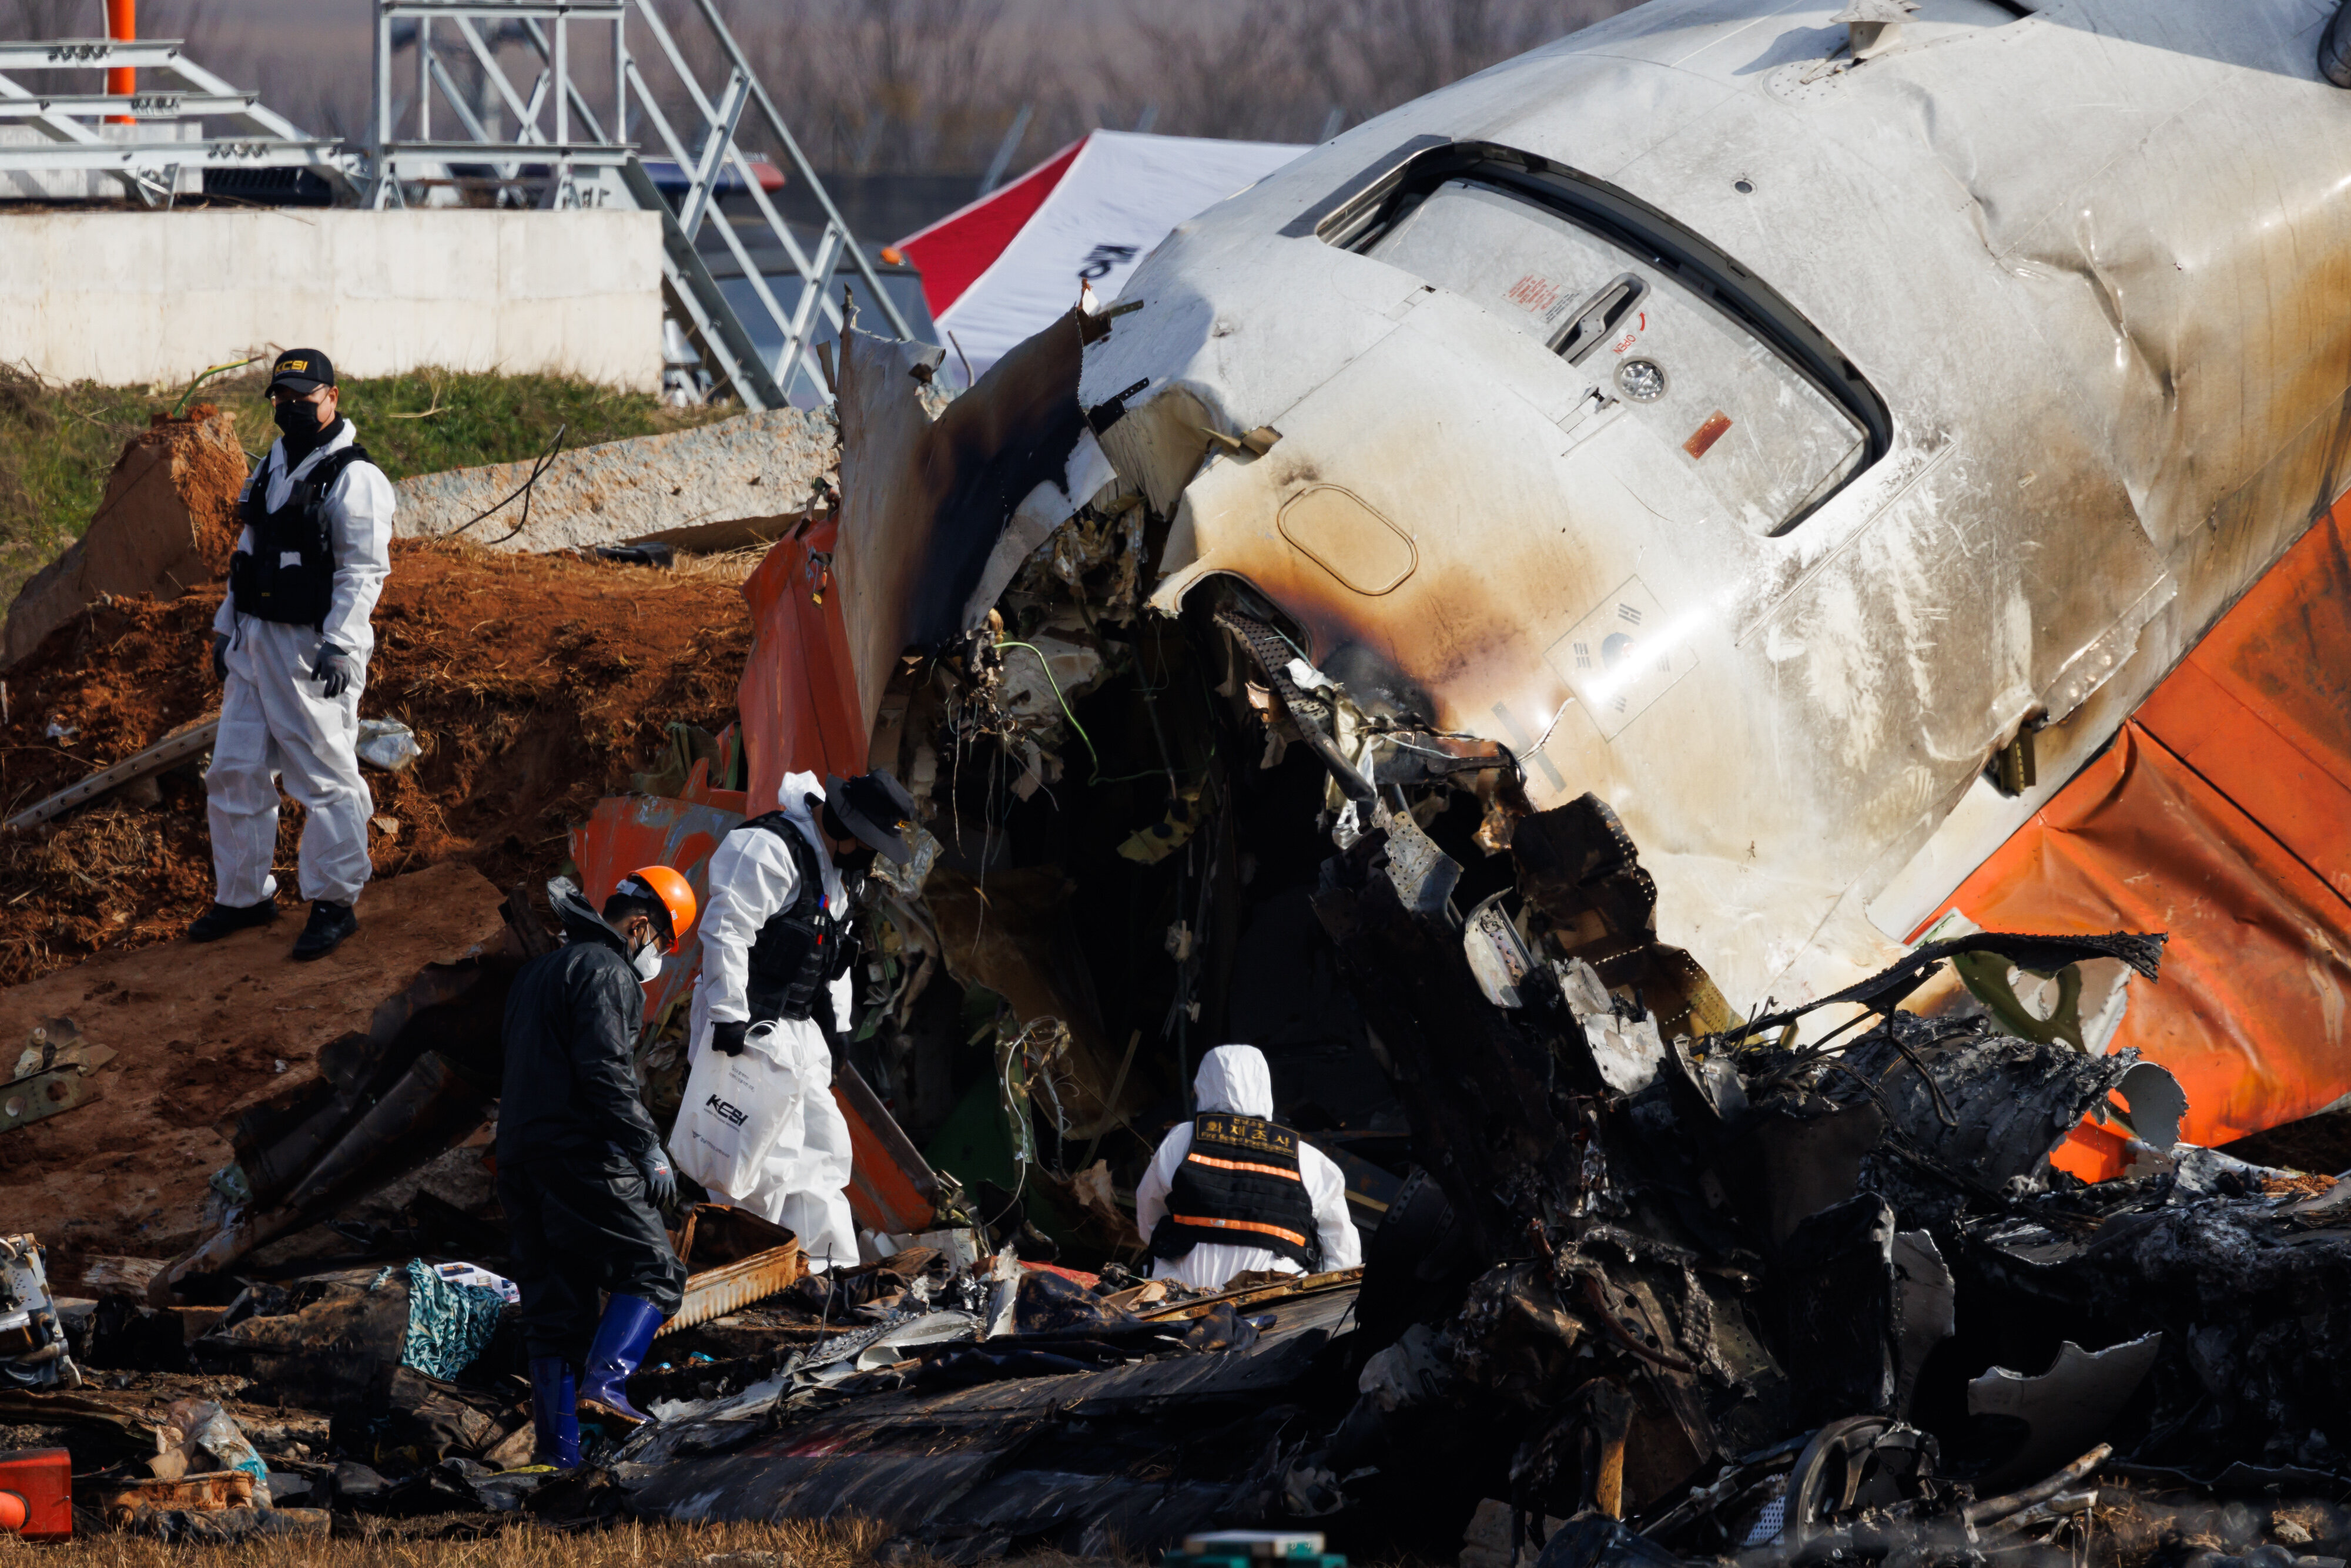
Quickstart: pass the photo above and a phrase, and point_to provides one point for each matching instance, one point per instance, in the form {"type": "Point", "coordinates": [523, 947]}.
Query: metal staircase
{"type": "Point", "coordinates": [571, 144]}
{"type": "Point", "coordinates": [72, 138]}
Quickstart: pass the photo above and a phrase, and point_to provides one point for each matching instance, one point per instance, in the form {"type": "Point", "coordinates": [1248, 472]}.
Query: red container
{"type": "Point", "coordinates": [42, 1478]}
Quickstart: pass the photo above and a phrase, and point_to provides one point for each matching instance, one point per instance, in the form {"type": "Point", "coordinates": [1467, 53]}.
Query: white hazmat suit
{"type": "Point", "coordinates": [762, 1131]}
{"type": "Point", "coordinates": [1234, 1078]}
{"type": "Point", "coordinates": [274, 719]}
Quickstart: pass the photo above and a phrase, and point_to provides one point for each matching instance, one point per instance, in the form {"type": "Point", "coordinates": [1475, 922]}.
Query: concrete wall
{"type": "Point", "coordinates": [739, 481]}
{"type": "Point", "coordinates": [129, 298]}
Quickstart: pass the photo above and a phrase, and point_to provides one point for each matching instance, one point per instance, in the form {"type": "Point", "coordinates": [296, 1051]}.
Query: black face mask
{"type": "Point", "coordinates": [850, 863]}
{"type": "Point", "coordinates": [301, 420]}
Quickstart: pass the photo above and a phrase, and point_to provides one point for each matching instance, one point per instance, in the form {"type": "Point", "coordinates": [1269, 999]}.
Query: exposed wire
{"type": "Point", "coordinates": [529, 485]}
{"type": "Point", "coordinates": [1058, 697]}
{"type": "Point", "coordinates": [1388, 738]}
{"type": "Point", "coordinates": [1285, 638]}
{"type": "Point", "coordinates": [1544, 739]}
{"type": "Point", "coordinates": [524, 491]}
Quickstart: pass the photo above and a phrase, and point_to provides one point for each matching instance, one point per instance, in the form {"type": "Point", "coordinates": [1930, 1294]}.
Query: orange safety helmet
{"type": "Point", "coordinates": [662, 886]}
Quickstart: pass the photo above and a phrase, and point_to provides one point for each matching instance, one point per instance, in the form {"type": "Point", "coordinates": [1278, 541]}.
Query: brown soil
{"type": "Point", "coordinates": [199, 1034]}
{"type": "Point", "coordinates": [535, 685]}
{"type": "Point", "coordinates": [208, 470]}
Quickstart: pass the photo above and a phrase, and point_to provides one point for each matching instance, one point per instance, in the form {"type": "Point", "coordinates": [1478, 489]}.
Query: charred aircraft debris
{"type": "Point", "coordinates": [1520, 616]}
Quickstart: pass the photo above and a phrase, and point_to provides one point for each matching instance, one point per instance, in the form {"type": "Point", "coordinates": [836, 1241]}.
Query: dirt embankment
{"type": "Point", "coordinates": [199, 1034]}
{"type": "Point", "coordinates": [165, 527]}
{"type": "Point", "coordinates": [535, 685]}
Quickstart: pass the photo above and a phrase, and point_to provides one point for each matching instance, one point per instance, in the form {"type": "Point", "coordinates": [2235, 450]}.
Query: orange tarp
{"type": "Point", "coordinates": [2222, 814]}
{"type": "Point", "coordinates": [798, 695]}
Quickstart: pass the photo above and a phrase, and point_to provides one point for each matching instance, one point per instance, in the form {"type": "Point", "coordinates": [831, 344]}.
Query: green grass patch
{"type": "Point", "coordinates": [58, 442]}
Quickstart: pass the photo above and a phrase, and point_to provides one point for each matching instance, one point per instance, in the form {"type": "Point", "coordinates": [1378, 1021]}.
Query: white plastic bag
{"type": "Point", "coordinates": [737, 1110]}
{"type": "Point", "coordinates": [387, 744]}
{"type": "Point", "coordinates": [202, 1427]}
{"type": "Point", "coordinates": [763, 1132]}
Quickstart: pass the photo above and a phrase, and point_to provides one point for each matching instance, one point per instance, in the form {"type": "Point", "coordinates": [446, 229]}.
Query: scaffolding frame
{"type": "Point", "coordinates": [570, 147]}
{"type": "Point", "coordinates": [148, 168]}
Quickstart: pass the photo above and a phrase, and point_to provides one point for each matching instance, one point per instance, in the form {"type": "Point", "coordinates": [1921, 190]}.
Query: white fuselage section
{"type": "Point", "coordinates": [2092, 264]}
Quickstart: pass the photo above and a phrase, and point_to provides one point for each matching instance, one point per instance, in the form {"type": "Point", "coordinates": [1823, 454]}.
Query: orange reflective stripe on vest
{"type": "Point", "coordinates": [1246, 1166]}
{"type": "Point", "coordinates": [1274, 1230]}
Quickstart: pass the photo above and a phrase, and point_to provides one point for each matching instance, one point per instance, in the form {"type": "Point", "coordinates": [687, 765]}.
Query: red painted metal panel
{"type": "Point", "coordinates": [880, 1196]}
{"type": "Point", "coordinates": [2250, 1013]}
{"type": "Point", "coordinates": [798, 694]}
{"type": "Point", "coordinates": [626, 832]}
{"type": "Point", "coordinates": [891, 1188]}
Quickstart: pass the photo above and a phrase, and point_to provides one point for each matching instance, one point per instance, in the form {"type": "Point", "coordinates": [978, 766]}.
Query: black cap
{"type": "Point", "coordinates": [876, 808]}
{"type": "Point", "coordinates": [302, 372]}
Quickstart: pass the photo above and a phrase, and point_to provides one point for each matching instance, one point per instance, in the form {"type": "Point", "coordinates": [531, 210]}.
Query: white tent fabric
{"type": "Point", "coordinates": [1118, 198]}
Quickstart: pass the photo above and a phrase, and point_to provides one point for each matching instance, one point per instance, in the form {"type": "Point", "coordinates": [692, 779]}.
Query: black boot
{"type": "Point", "coordinates": [328, 924]}
{"type": "Point", "coordinates": [2335, 48]}
{"type": "Point", "coordinates": [223, 918]}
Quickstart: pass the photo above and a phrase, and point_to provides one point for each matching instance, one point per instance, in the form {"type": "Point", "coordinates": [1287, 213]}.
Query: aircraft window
{"type": "Point", "coordinates": [1766, 441]}
{"type": "Point", "coordinates": [1709, 358]}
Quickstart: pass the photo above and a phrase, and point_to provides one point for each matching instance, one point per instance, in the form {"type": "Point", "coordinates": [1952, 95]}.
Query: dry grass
{"type": "Point", "coordinates": [410, 1544]}
{"type": "Point", "coordinates": [396, 1545]}
{"type": "Point", "coordinates": [58, 441]}
{"type": "Point", "coordinates": [724, 566]}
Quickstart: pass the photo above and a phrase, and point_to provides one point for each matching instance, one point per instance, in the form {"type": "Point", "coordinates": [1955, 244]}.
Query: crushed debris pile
{"type": "Point", "coordinates": [1773, 1305]}
{"type": "Point", "coordinates": [533, 686]}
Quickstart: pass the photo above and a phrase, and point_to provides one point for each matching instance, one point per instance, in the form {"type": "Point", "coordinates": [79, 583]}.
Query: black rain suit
{"type": "Point", "coordinates": [573, 1137]}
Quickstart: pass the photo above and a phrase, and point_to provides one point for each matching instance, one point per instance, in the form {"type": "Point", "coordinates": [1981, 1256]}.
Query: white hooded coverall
{"type": "Point", "coordinates": [1234, 1078]}
{"type": "Point", "coordinates": [273, 719]}
{"type": "Point", "coordinates": [801, 1181]}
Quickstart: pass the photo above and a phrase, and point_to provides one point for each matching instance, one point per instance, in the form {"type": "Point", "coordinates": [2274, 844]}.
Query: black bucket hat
{"type": "Point", "coordinates": [876, 808]}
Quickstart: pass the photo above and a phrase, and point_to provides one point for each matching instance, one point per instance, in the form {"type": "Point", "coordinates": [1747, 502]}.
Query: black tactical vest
{"type": "Point", "coordinates": [800, 948]}
{"type": "Point", "coordinates": [290, 575]}
{"type": "Point", "coordinates": [1240, 1186]}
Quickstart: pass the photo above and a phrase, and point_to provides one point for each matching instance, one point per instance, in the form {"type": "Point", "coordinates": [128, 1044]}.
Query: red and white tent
{"type": "Point", "coordinates": [999, 270]}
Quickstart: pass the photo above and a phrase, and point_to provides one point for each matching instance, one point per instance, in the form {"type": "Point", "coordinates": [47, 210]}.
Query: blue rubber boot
{"type": "Point", "coordinates": [622, 1340]}
{"type": "Point", "coordinates": [554, 1418]}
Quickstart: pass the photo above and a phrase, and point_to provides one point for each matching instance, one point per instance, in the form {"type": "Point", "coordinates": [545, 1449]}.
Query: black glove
{"type": "Point", "coordinates": [660, 1182]}
{"type": "Point", "coordinates": [726, 1036]}
{"type": "Point", "coordinates": [333, 670]}
{"type": "Point", "coordinates": [220, 656]}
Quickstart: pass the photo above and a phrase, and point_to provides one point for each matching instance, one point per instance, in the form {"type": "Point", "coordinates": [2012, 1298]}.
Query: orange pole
{"type": "Point", "coordinates": [121, 81]}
